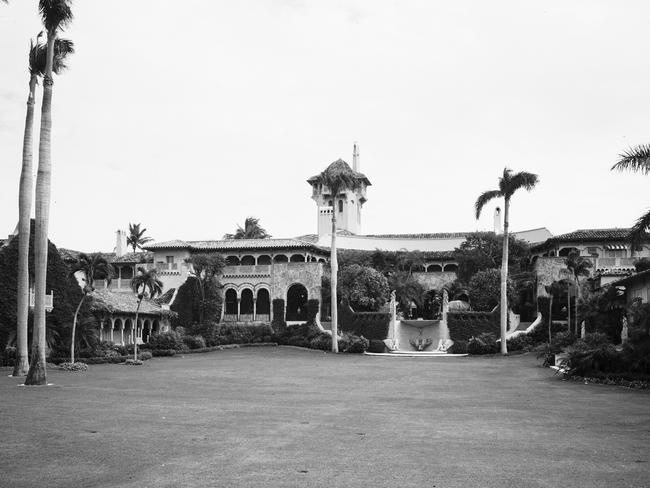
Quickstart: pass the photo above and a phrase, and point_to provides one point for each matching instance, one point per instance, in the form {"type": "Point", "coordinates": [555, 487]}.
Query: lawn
{"type": "Point", "coordinates": [266, 417]}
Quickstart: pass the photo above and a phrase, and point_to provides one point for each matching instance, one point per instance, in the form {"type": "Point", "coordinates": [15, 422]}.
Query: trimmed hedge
{"type": "Point", "coordinates": [371, 325]}
{"type": "Point", "coordinates": [103, 360]}
{"type": "Point", "coordinates": [279, 325]}
{"type": "Point", "coordinates": [465, 325]}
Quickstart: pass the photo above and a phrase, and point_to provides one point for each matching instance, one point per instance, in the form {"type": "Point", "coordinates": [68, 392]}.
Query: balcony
{"type": "Point", "coordinates": [259, 269]}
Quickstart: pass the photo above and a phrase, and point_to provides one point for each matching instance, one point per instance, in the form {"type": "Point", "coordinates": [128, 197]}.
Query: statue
{"type": "Point", "coordinates": [624, 331]}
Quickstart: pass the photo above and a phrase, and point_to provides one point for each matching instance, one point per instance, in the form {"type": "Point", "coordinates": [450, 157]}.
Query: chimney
{"type": "Point", "coordinates": [356, 162]}
{"type": "Point", "coordinates": [120, 243]}
{"type": "Point", "coordinates": [497, 221]}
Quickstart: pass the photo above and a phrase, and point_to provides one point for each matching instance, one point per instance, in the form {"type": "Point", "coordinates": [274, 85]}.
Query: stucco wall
{"type": "Point", "coordinates": [435, 281]}
{"type": "Point", "coordinates": [638, 289]}
{"type": "Point", "coordinates": [548, 270]}
{"type": "Point", "coordinates": [286, 274]}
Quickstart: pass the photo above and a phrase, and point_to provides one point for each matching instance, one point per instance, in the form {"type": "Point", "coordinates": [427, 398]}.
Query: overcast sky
{"type": "Point", "coordinates": [189, 116]}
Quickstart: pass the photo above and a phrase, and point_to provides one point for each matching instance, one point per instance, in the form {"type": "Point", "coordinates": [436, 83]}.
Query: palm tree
{"type": "Point", "coordinates": [554, 289]}
{"type": "Point", "coordinates": [578, 266]}
{"type": "Point", "coordinates": [251, 230]}
{"type": "Point", "coordinates": [136, 238]}
{"type": "Point", "coordinates": [93, 266]}
{"type": "Point", "coordinates": [509, 183]}
{"type": "Point", "coordinates": [337, 177]}
{"type": "Point", "coordinates": [637, 159]}
{"type": "Point", "coordinates": [144, 283]}
{"type": "Point", "coordinates": [56, 14]}
{"type": "Point", "coordinates": [37, 61]}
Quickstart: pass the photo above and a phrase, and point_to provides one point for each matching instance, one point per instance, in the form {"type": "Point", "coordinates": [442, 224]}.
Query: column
{"type": "Point", "coordinates": [112, 327]}
{"type": "Point", "coordinates": [101, 327]}
{"type": "Point", "coordinates": [238, 307]}
{"type": "Point", "coordinates": [254, 307]}
{"type": "Point", "coordinates": [122, 334]}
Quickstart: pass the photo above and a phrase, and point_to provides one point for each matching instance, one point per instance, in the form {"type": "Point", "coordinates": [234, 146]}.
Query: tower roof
{"type": "Point", "coordinates": [340, 166]}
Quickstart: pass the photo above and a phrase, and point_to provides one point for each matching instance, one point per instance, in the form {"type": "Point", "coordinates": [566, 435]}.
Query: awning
{"type": "Point", "coordinates": [616, 247]}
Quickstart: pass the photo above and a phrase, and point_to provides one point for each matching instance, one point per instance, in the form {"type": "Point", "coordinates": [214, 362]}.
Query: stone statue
{"type": "Point", "coordinates": [624, 331]}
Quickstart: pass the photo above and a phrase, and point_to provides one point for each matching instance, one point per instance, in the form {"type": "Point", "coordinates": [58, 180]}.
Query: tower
{"type": "Point", "coordinates": [347, 204]}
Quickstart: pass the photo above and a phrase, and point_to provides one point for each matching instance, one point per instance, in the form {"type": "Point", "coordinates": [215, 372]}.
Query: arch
{"type": "Point", "coordinates": [126, 272]}
{"type": "Point", "coordinates": [434, 268]}
{"type": "Point", "coordinates": [321, 260]}
{"type": "Point", "coordinates": [297, 297]}
{"type": "Point", "coordinates": [565, 251]}
{"type": "Point", "coordinates": [340, 206]}
{"type": "Point", "coordinates": [231, 301]}
{"type": "Point", "coordinates": [330, 203]}
{"type": "Point", "coordinates": [248, 260]}
{"type": "Point", "coordinates": [155, 327]}
{"type": "Point", "coordinates": [263, 303]}
{"type": "Point", "coordinates": [264, 259]}
{"type": "Point", "coordinates": [146, 330]}
{"type": "Point", "coordinates": [280, 258]}
{"type": "Point", "coordinates": [232, 261]}
{"type": "Point", "coordinates": [246, 302]}
{"type": "Point", "coordinates": [297, 258]}
{"type": "Point", "coordinates": [128, 331]}
{"type": "Point", "coordinates": [451, 268]}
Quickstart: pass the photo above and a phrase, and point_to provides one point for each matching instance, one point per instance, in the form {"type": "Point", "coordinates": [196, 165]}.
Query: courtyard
{"type": "Point", "coordinates": [280, 416]}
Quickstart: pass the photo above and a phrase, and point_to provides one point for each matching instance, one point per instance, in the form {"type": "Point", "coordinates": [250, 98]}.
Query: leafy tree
{"type": "Point", "coordinates": [136, 238]}
{"type": "Point", "coordinates": [205, 267]}
{"type": "Point", "coordinates": [637, 159]}
{"type": "Point", "coordinates": [555, 289]}
{"type": "Point", "coordinates": [484, 290]}
{"type": "Point", "coordinates": [56, 14]}
{"type": "Point", "coordinates": [93, 266]}
{"type": "Point", "coordinates": [642, 264]}
{"type": "Point", "coordinates": [251, 230]}
{"type": "Point", "coordinates": [484, 250]}
{"type": "Point", "coordinates": [407, 289]}
{"type": "Point", "coordinates": [37, 66]}
{"type": "Point", "coordinates": [363, 287]}
{"type": "Point", "coordinates": [602, 311]}
{"type": "Point", "coordinates": [509, 183]}
{"type": "Point", "coordinates": [578, 266]}
{"type": "Point", "coordinates": [144, 283]}
{"type": "Point", "coordinates": [337, 178]}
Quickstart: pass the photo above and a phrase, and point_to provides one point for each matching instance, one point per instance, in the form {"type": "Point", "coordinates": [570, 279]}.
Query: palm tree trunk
{"type": "Point", "coordinates": [335, 269]}
{"type": "Point", "coordinates": [24, 213]}
{"type": "Point", "coordinates": [568, 306]}
{"type": "Point", "coordinates": [504, 279]}
{"type": "Point", "coordinates": [37, 374]}
{"type": "Point", "coordinates": [74, 327]}
{"type": "Point", "coordinates": [550, 318]}
{"type": "Point", "coordinates": [135, 332]}
{"type": "Point", "coordinates": [583, 327]}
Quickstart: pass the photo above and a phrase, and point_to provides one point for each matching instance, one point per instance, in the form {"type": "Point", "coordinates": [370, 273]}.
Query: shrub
{"type": "Point", "coordinates": [298, 340]}
{"type": "Point", "coordinates": [358, 345]}
{"type": "Point", "coordinates": [465, 325]}
{"type": "Point", "coordinates": [9, 357]}
{"type": "Point", "coordinates": [279, 324]}
{"type": "Point", "coordinates": [133, 362]}
{"type": "Point", "coordinates": [313, 307]}
{"type": "Point", "coordinates": [167, 340]}
{"type": "Point", "coordinates": [458, 347]}
{"type": "Point", "coordinates": [520, 342]}
{"type": "Point", "coordinates": [194, 342]}
{"type": "Point", "coordinates": [144, 355]}
{"type": "Point", "coordinates": [163, 352]}
{"type": "Point", "coordinates": [485, 343]}
{"type": "Point", "coordinates": [322, 342]}
{"type": "Point", "coordinates": [376, 345]}
{"type": "Point", "coordinates": [585, 360]}
{"type": "Point", "coordinates": [78, 366]}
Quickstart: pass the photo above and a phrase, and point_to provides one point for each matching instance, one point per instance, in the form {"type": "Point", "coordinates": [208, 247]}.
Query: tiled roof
{"type": "Point", "coordinates": [166, 297]}
{"type": "Point", "coordinates": [342, 166]}
{"type": "Point", "coordinates": [69, 255]}
{"type": "Point", "coordinates": [233, 244]}
{"type": "Point", "coordinates": [632, 278]}
{"type": "Point", "coordinates": [615, 234]}
{"type": "Point", "coordinates": [438, 235]}
{"type": "Point", "coordinates": [122, 302]}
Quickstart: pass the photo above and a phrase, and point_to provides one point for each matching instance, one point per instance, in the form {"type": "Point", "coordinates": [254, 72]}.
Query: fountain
{"type": "Point", "coordinates": [414, 338]}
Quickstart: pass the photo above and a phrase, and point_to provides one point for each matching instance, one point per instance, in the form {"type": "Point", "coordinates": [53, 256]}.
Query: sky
{"type": "Point", "coordinates": [188, 117]}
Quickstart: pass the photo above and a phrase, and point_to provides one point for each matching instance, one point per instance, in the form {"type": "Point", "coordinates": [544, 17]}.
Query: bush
{"type": "Point", "coordinates": [358, 345]}
{"type": "Point", "coordinates": [78, 366]}
{"type": "Point", "coordinates": [465, 325]}
{"type": "Point", "coordinates": [520, 342]}
{"type": "Point", "coordinates": [8, 357]}
{"type": "Point", "coordinates": [163, 352]}
{"type": "Point", "coordinates": [485, 343]}
{"type": "Point", "coordinates": [194, 342]}
{"type": "Point", "coordinates": [144, 355]}
{"type": "Point", "coordinates": [377, 346]}
{"type": "Point", "coordinates": [584, 359]}
{"type": "Point", "coordinates": [279, 325]}
{"type": "Point", "coordinates": [167, 340]}
{"type": "Point", "coordinates": [372, 325]}
{"type": "Point", "coordinates": [133, 362]}
{"type": "Point", "coordinates": [458, 347]}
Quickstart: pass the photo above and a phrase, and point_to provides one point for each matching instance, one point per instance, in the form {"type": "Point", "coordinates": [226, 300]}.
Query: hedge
{"type": "Point", "coordinates": [278, 323]}
{"type": "Point", "coordinates": [465, 325]}
{"type": "Point", "coordinates": [371, 325]}
{"type": "Point", "coordinates": [97, 360]}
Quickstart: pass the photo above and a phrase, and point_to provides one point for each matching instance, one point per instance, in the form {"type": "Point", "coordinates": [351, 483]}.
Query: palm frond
{"type": "Point", "coordinates": [484, 198]}
{"type": "Point", "coordinates": [146, 282]}
{"type": "Point", "coordinates": [639, 232]}
{"type": "Point", "coordinates": [62, 49]}
{"type": "Point", "coordinates": [522, 180]}
{"type": "Point", "coordinates": [635, 159]}
{"type": "Point", "coordinates": [56, 14]}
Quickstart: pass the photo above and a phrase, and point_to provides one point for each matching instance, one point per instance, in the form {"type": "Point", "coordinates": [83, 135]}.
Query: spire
{"type": "Point", "coordinates": [356, 163]}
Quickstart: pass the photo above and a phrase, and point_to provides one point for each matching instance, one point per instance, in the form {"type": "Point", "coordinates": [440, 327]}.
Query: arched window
{"type": "Point", "coordinates": [340, 206]}
{"type": "Point", "coordinates": [264, 259]}
{"type": "Point", "coordinates": [232, 261]}
{"type": "Point", "coordinates": [248, 261]}
{"type": "Point", "coordinates": [451, 268]}
{"type": "Point", "coordinates": [330, 203]}
{"type": "Point", "coordinates": [434, 268]}
{"type": "Point", "coordinates": [297, 258]}
{"type": "Point", "coordinates": [231, 302]}
{"type": "Point", "coordinates": [280, 258]}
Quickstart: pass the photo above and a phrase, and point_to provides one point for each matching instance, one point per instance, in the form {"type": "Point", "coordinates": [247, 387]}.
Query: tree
{"type": "Point", "coordinates": [484, 250]}
{"type": "Point", "coordinates": [136, 238]}
{"type": "Point", "coordinates": [509, 183]}
{"type": "Point", "coordinates": [37, 65]}
{"type": "Point", "coordinates": [251, 230]}
{"type": "Point", "coordinates": [555, 289]}
{"type": "Point", "coordinates": [337, 177]}
{"type": "Point", "coordinates": [205, 268]}
{"type": "Point", "coordinates": [56, 14]}
{"type": "Point", "coordinates": [144, 283]}
{"type": "Point", "coordinates": [637, 159]}
{"type": "Point", "coordinates": [578, 266]}
{"type": "Point", "coordinates": [484, 290]}
{"type": "Point", "coordinates": [93, 266]}
{"type": "Point", "coordinates": [365, 288]}
{"type": "Point", "coordinates": [407, 289]}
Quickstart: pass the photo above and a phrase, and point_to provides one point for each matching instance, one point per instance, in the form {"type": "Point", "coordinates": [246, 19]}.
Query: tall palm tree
{"type": "Point", "coordinates": [37, 61]}
{"type": "Point", "coordinates": [93, 266]}
{"type": "Point", "coordinates": [144, 283]}
{"type": "Point", "coordinates": [136, 238]}
{"type": "Point", "coordinates": [637, 159]}
{"type": "Point", "coordinates": [509, 183]}
{"type": "Point", "coordinates": [251, 230]}
{"type": "Point", "coordinates": [337, 177]}
{"type": "Point", "coordinates": [554, 289]}
{"type": "Point", "coordinates": [56, 14]}
{"type": "Point", "coordinates": [578, 266]}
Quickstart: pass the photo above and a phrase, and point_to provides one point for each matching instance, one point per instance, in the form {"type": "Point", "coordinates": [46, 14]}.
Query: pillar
{"type": "Point", "coordinates": [122, 333]}
{"type": "Point", "coordinates": [112, 327]}
{"type": "Point", "coordinates": [254, 307]}
{"type": "Point", "coordinates": [238, 307]}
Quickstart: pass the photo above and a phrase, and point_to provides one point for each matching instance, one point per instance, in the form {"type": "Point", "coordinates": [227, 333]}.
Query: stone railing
{"type": "Point", "coordinates": [263, 269]}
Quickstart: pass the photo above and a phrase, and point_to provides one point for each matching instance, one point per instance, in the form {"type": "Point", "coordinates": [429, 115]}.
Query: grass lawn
{"type": "Point", "coordinates": [266, 417]}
